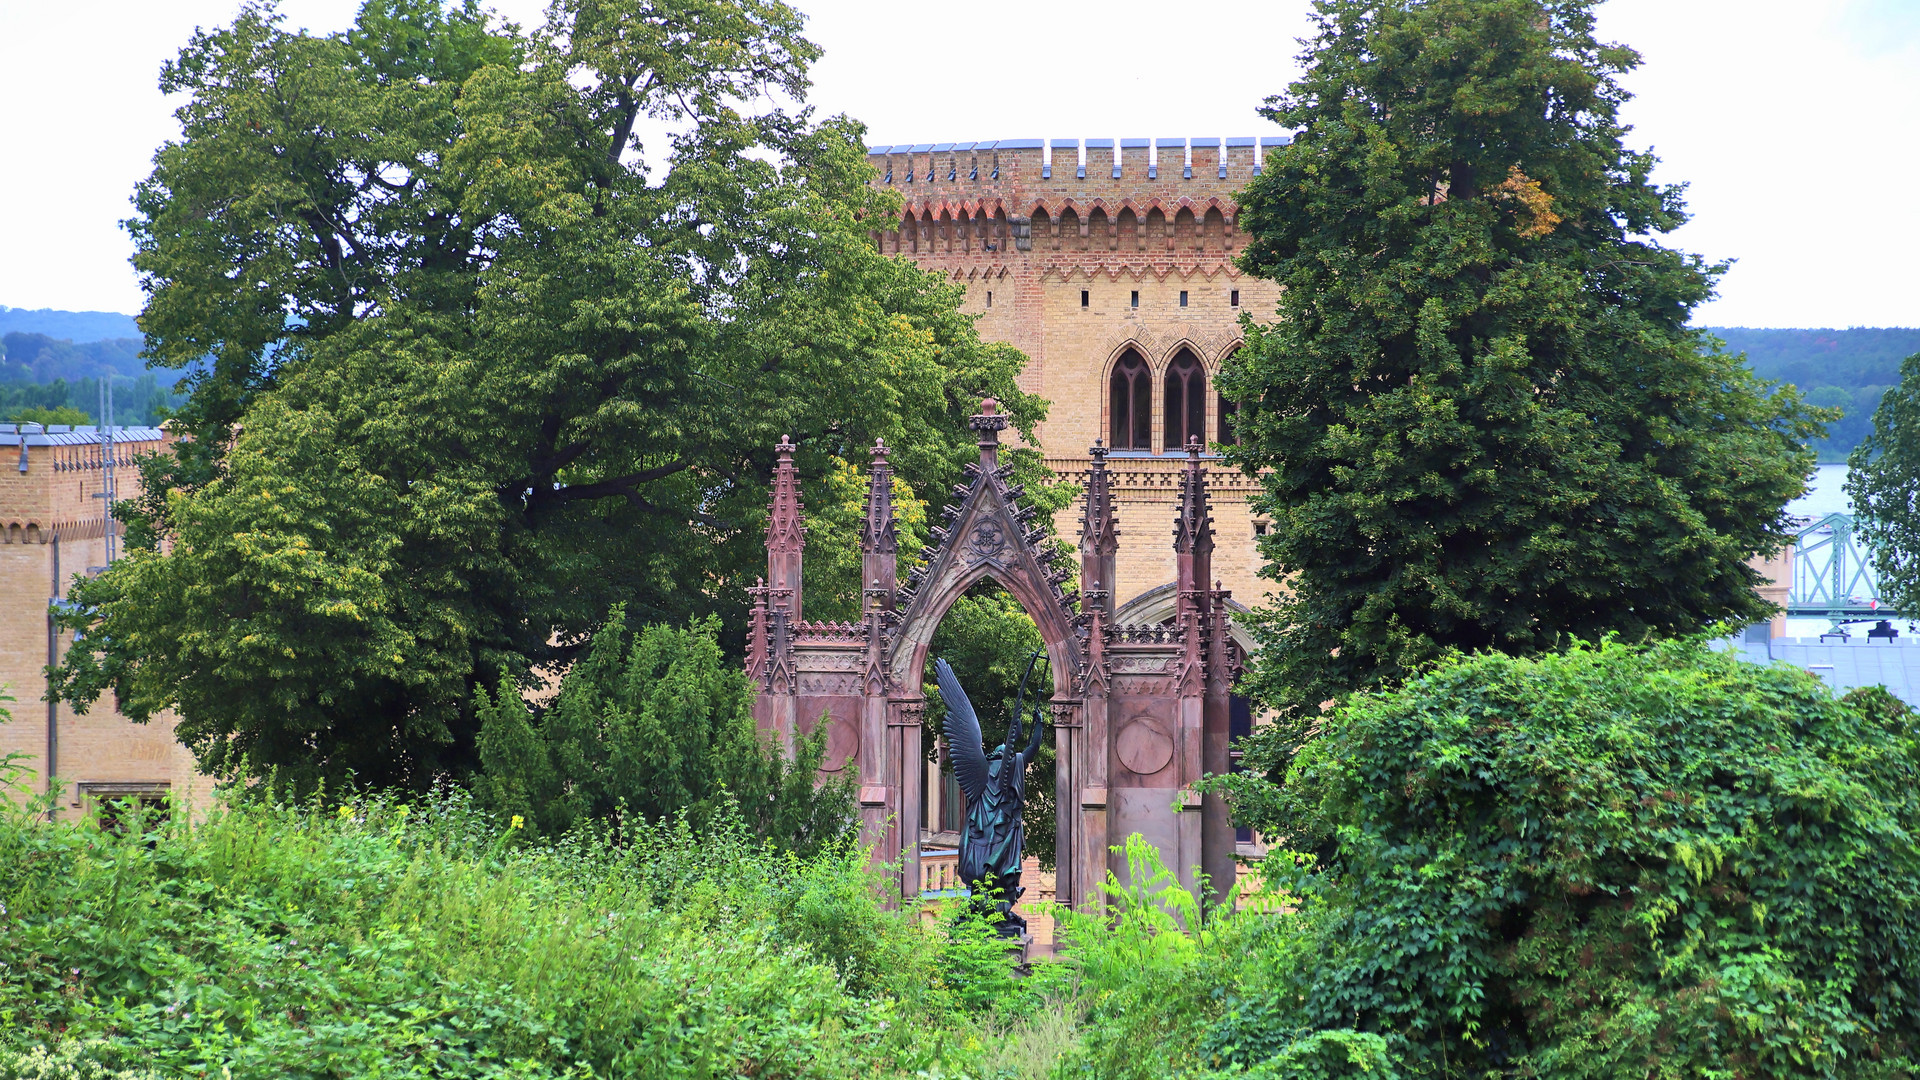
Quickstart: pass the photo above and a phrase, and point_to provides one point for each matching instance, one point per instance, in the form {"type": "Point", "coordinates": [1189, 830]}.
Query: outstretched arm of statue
{"type": "Point", "coordinates": [1039, 729]}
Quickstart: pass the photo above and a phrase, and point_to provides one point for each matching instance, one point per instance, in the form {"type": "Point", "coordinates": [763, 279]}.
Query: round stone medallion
{"type": "Point", "coordinates": [1143, 748]}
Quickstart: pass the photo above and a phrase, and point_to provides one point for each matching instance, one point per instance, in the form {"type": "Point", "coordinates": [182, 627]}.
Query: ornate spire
{"type": "Point", "coordinates": [877, 534]}
{"type": "Point", "coordinates": [1193, 528]}
{"type": "Point", "coordinates": [879, 540]}
{"type": "Point", "coordinates": [1099, 536]}
{"type": "Point", "coordinates": [1193, 542]}
{"type": "Point", "coordinates": [989, 423]}
{"type": "Point", "coordinates": [786, 534]}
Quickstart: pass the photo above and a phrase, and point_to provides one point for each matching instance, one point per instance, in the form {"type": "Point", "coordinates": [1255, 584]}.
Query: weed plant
{"type": "Point", "coordinates": [371, 938]}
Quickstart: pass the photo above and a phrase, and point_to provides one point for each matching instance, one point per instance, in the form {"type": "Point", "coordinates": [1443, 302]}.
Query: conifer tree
{"type": "Point", "coordinates": [653, 723]}
{"type": "Point", "coordinates": [1480, 418]}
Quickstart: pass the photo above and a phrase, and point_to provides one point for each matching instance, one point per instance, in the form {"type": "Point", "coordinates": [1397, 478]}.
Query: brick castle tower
{"type": "Point", "coordinates": [1112, 269]}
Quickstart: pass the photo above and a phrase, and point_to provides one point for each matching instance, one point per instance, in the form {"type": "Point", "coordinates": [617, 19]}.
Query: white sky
{"type": "Point", "coordinates": [1797, 124]}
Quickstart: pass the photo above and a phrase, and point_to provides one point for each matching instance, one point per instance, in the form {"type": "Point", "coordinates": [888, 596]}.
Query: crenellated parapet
{"type": "Point", "coordinates": [1166, 200]}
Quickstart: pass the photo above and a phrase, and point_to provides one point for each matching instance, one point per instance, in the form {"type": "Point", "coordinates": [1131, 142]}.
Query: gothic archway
{"type": "Point", "coordinates": [1164, 687]}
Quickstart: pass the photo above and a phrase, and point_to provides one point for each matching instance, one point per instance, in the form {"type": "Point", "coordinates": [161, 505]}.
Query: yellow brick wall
{"type": "Point", "coordinates": [1124, 236]}
{"type": "Point", "coordinates": [48, 512]}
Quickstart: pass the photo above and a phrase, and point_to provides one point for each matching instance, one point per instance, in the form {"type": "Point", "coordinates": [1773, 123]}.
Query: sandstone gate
{"type": "Point", "coordinates": [1139, 713]}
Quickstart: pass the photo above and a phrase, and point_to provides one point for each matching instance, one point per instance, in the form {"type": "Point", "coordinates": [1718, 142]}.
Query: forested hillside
{"type": "Point", "coordinates": [1848, 369]}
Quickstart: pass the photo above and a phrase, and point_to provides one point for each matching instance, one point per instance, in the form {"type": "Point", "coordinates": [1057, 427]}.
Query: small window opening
{"type": "Point", "coordinates": [1259, 528]}
{"type": "Point", "coordinates": [1233, 298]}
{"type": "Point", "coordinates": [989, 297]}
{"type": "Point", "coordinates": [1183, 298]}
{"type": "Point", "coordinates": [1136, 298]}
{"type": "Point", "coordinates": [1083, 298]}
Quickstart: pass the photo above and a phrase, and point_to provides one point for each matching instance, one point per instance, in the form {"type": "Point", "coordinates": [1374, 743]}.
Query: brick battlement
{"type": "Point", "coordinates": [1148, 200]}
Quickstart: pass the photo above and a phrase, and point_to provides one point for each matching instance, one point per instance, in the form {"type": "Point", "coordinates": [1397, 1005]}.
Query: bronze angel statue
{"type": "Point", "coordinates": [995, 788]}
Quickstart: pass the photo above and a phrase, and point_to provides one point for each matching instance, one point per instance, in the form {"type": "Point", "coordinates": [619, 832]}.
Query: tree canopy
{"type": "Point", "coordinates": [482, 365]}
{"type": "Point", "coordinates": [1883, 482]}
{"type": "Point", "coordinates": [1480, 419]}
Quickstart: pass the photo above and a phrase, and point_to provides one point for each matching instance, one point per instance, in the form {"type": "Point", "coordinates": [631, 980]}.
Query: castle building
{"type": "Point", "coordinates": [53, 525]}
{"type": "Point", "coordinates": [1112, 268]}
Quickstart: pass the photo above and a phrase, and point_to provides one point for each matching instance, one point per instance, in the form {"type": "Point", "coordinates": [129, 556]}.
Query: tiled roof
{"type": "Point", "coordinates": [74, 435]}
{"type": "Point", "coordinates": [1846, 664]}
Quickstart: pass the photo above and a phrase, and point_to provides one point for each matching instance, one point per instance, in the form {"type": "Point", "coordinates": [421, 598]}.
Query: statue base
{"type": "Point", "coordinates": [1020, 948]}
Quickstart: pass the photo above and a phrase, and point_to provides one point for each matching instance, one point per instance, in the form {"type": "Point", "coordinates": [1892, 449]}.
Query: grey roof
{"type": "Point", "coordinates": [1845, 664]}
{"type": "Point", "coordinates": [73, 435]}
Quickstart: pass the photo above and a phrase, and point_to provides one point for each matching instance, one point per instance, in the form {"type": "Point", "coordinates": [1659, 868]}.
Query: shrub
{"type": "Point", "coordinates": [1657, 861]}
{"type": "Point", "coordinates": [375, 939]}
{"type": "Point", "coordinates": [654, 723]}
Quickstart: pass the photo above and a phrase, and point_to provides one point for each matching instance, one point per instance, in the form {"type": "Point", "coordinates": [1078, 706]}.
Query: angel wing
{"type": "Point", "coordinates": [962, 729]}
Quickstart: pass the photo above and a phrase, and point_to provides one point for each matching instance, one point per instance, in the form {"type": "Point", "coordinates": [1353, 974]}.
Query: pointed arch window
{"type": "Point", "coordinates": [1130, 404]}
{"type": "Point", "coordinates": [1186, 401]}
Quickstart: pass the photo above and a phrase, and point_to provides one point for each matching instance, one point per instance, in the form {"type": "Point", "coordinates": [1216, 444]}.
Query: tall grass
{"type": "Point", "coordinates": [374, 938]}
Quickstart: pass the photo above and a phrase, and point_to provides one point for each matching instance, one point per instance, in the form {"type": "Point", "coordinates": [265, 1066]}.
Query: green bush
{"type": "Point", "coordinates": [654, 723]}
{"type": "Point", "coordinates": [1651, 861]}
{"type": "Point", "coordinates": [374, 939]}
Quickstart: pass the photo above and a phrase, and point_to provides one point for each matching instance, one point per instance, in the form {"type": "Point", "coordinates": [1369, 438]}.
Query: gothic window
{"type": "Point", "coordinates": [1228, 410]}
{"type": "Point", "coordinates": [1130, 404]}
{"type": "Point", "coordinates": [1186, 400]}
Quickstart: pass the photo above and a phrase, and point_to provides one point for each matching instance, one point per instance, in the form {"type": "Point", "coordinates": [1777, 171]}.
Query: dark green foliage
{"type": "Point", "coordinates": [1658, 861]}
{"type": "Point", "coordinates": [655, 724]}
{"type": "Point", "coordinates": [1883, 482]}
{"type": "Point", "coordinates": [490, 375]}
{"type": "Point", "coordinates": [1844, 369]}
{"type": "Point", "coordinates": [271, 943]}
{"type": "Point", "coordinates": [1482, 418]}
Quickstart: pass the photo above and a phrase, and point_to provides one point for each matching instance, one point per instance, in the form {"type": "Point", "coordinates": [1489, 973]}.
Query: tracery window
{"type": "Point", "coordinates": [1130, 404]}
{"type": "Point", "coordinates": [1186, 401]}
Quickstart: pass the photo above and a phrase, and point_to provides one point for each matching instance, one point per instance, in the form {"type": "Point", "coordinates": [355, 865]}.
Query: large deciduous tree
{"type": "Point", "coordinates": [1480, 418]}
{"type": "Point", "coordinates": [470, 364]}
{"type": "Point", "coordinates": [1883, 481]}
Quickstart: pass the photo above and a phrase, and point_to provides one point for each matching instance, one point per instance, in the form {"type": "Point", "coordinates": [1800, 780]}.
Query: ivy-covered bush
{"type": "Point", "coordinates": [1616, 861]}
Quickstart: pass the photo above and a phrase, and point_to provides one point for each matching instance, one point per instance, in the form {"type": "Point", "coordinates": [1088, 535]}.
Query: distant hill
{"type": "Point", "coordinates": [1848, 368]}
{"type": "Point", "coordinates": [75, 326]}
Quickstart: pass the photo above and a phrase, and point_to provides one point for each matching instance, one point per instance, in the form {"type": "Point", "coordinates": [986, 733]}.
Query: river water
{"type": "Point", "coordinates": [1828, 494]}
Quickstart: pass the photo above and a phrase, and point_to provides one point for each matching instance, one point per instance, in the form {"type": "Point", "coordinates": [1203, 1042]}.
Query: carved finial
{"type": "Point", "coordinates": [1098, 450]}
{"type": "Point", "coordinates": [786, 534]}
{"type": "Point", "coordinates": [989, 423]}
{"type": "Point", "coordinates": [879, 451]}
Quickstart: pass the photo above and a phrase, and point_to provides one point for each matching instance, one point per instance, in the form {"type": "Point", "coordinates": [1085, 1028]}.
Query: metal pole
{"type": "Point", "coordinates": [53, 705]}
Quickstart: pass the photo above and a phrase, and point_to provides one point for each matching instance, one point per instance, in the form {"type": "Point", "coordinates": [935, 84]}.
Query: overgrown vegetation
{"type": "Point", "coordinates": [353, 938]}
{"type": "Point", "coordinates": [1883, 483]}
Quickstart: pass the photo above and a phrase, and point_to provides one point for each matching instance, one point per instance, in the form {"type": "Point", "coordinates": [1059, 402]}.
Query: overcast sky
{"type": "Point", "coordinates": [1796, 124]}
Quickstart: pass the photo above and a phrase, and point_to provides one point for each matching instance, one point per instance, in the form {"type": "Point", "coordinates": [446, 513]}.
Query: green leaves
{"type": "Point", "coordinates": [1480, 419]}
{"type": "Point", "coordinates": [1655, 860]}
{"type": "Point", "coordinates": [655, 724]}
{"type": "Point", "coordinates": [515, 372]}
{"type": "Point", "coordinates": [1883, 482]}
